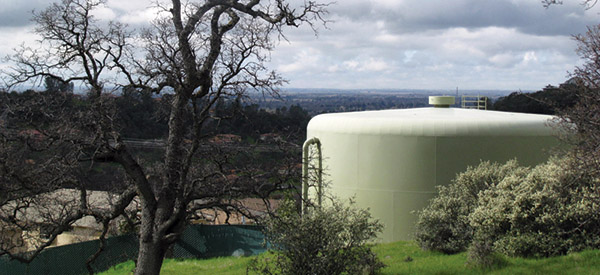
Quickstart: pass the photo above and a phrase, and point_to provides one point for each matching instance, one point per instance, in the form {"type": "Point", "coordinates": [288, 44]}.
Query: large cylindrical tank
{"type": "Point", "coordinates": [391, 161]}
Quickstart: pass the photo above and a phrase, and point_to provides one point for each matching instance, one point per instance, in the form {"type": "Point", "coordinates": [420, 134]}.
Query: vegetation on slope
{"type": "Point", "coordinates": [402, 258]}
{"type": "Point", "coordinates": [547, 210]}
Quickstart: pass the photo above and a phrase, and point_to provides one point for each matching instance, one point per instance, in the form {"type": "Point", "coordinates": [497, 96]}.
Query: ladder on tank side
{"type": "Point", "coordinates": [305, 172]}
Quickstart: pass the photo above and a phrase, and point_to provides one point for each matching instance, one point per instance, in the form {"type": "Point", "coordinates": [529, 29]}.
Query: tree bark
{"type": "Point", "coordinates": [150, 257]}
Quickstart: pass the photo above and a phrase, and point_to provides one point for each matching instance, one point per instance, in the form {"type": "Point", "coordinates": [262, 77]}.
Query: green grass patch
{"type": "Point", "coordinates": [221, 265]}
{"type": "Point", "coordinates": [400, 258]}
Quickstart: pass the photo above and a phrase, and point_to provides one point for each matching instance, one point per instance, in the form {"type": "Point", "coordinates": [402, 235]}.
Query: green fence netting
{"type": "Point", "coordinates": [214, 241]}
{"type": "Point", "coordinates": [197, 241]}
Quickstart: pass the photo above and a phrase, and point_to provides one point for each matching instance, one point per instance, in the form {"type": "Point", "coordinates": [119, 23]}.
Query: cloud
{"type": "Point", "coordinates": [139, 17]}
{"type": "Point", "coordinates": [482, 58]}
{"type": "Point", "coordinates": [18, 36]}
{"type": "Point", "coordinates": [306, 59]}
{"type": "Point", "coordinates": [500, 44]}
{"type": "Point", "coordinates": [504, 60]}
{"type": "Point", "coordinates": [14, 13]}
{"type": "Point", "coordinates": [134, 12]}
{"type": "Point", "coordinates": [104, 13]}
{"type": "Point", "coordinates": [367, 65]}
{"type": "Point", "coordinates": [405, 16]}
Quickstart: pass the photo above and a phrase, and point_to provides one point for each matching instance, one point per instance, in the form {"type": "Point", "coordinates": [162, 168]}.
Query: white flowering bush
{"type": "Point", "coordinates": [554, 209]}
{"type": "Point", "coordinates": [493, 209]}
{"type": "Point", "coordinates": [444, 224]}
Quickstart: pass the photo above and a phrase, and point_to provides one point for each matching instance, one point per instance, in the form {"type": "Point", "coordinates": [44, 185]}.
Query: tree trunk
{"type": "Point", "coordinates": [151, 249]}
{"type": "Point", "coordinates": [150, 258]}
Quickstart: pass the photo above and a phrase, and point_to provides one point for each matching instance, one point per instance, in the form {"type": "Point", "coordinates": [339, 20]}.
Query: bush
{"type": "Point", "coordinates": [444, 224]}
{"type": "Point", "coordinates": [482, 255]}
{"type": "Point", "coordinates": [550, 211]}
{"type": "Point", "coordinates": [325, 240]}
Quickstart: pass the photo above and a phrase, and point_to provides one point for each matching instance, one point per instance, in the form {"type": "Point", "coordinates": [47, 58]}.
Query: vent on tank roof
{"type": "Point", "coordinates": [441, 101]}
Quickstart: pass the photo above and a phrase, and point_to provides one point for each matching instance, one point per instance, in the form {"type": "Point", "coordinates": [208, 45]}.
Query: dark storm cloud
{"type": "Point", "coordinates": [14, 13]}
{"type": "Point", "coordinates": [526, 16]}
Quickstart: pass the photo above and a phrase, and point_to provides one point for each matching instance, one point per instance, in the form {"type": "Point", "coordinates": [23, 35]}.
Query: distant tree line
{"type": "Point", "coordinates": [548, 101]}
{"type": "Point", "coordinates": [144, 116]}
{"type": "Point", "coordinates": [250, 121]}
{"type": "Point", "coordinates": [316, 104]}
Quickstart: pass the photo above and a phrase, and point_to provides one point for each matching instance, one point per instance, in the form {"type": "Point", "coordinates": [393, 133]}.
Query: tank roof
{"type": "Point", "coordinates": [435, 122]}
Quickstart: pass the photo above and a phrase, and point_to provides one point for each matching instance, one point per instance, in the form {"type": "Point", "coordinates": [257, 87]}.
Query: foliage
{"type": "Point", "coordinates": [482, 255]}
{"type": "Point", "coordinates": [250, 121]}
{"type": "Point", "coordinates": [324, 240]}
{"type": "Point", "coordinates": [551, 210]}
{"type": "Point", "coordinates": [550, 100]}
{"type": "Point", "coordinates": [54, 85]}
{"type": "Point", "coordinates": [444, 224]}
{"type": "Point", "coordinates": [547, 210]}
{"type": "Point", "coordinates": [582, 120]}
{"type": "Point", "coordinates": [140, 115]}
{"type": "Point", "coordinates": [394, 256]}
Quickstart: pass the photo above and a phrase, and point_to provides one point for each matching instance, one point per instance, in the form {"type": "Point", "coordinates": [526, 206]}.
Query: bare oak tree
{"type": "Point", "coordinates": [583, 119]}
{"type": "Point", "coordinates": [195, 53]}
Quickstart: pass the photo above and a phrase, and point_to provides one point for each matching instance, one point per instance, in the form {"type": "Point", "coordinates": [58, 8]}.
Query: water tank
{"type": "Point", "coordinates": [391, 161]}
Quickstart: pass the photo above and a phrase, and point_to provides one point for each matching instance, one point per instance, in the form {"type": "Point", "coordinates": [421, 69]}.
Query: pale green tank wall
{"type": "Point", "coordinates": [394, 174]}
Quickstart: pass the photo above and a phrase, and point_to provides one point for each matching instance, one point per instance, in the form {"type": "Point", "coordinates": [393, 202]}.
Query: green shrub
{"type": "Point", "coordinates": [482, 255]}
{"type": "Point", "coordinates": [444, 224]}
{"type": "Point", "coordinates": [326, 240]}
{"type": "Point", "coordinates": [552, 210]}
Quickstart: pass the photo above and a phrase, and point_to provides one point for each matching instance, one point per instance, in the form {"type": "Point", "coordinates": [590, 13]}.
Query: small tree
{"type": "Point", "coordinates": [57, 85]}
{"type": "Point", "coordinates": [324, 240]}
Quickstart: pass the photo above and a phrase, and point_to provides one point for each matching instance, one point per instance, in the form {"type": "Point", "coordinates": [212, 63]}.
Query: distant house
{"type": "Point", "coordinates": [255, 207]}
{"type": "Point", "coordinates": [225, 139]}
{"type": "Point", "coordinates": [31, 134]}
{"type": "Point", "coordinates": [270, 137]}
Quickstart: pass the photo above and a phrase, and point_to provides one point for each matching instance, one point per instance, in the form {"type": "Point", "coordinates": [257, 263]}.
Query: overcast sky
{"type": "Point", "coordinates": [400, 44]}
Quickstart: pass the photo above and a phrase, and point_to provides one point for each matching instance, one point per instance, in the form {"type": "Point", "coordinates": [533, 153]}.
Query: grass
{"type": "Point", "coordinates": [408, 258]}
{"type": "Point", "coordinates": [401, 258]}
{"type": "Point", "coordinates": [221, 265]}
